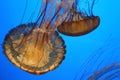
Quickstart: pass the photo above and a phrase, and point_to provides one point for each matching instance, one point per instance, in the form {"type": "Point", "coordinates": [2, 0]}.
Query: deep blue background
{"type": "Point", "coordinates": [105, 40]}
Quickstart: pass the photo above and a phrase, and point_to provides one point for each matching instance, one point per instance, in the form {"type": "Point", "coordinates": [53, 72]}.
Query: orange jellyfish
{"type": "Point", "coordinates": [37, 47]}
{"type": "Point", "coordinates": [79, 22]}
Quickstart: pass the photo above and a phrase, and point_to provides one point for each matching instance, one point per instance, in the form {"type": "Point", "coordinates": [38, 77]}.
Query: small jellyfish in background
{"type": "Point", "coordinates": [103, 63]}
{"type": "Point", "coordinates": [109, 72]}
{"type": "Point", "coordinates": [80, 22]}
{"type": "Point", "coordinates": [37, 47]}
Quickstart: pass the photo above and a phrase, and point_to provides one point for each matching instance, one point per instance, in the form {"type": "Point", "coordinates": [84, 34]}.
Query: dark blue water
{"type": "Point", "coordinates": [85, 54]}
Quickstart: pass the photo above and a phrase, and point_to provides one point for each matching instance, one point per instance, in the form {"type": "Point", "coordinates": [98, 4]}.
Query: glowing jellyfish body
{"type": "Point", "coordinates": [79, 23]}
{"type": "Point", "coordinates": [35, 48]}
{"type": "Point", "coordinates": [78, 28]}
{"type": "Point", "coordinates": [37, 52]}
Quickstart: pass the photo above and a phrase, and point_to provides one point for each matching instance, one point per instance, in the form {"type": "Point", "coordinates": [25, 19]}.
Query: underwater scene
{"type": "Point", "coordinates": [59, 40]}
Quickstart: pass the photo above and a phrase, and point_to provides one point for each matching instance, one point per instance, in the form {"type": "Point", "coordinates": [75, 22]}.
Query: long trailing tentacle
{"type": "Point", "coordinates": [33, 13]}
{"type": "Point", "coordinates": [76, 2]}
{"type": "Point", "coordinates": [104, 70]}
{"type": "Point", "coordinates": [92, 7]}
{"type": "Point", "coordinates": [53, 17]}
{"type": "Point", "coordinates": [42, 13]}
{"type": "Point", "coordinates": [26, 5]}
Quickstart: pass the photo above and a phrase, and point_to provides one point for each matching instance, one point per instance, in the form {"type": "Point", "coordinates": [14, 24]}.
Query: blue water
{"type": "Point", "coordinates": [103, 44]}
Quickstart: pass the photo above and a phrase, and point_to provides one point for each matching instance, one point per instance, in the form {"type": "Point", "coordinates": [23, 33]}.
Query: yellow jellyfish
{"type": "Point", "coordinates": [37, 47]}
{"type": "Point", "coordinates": [79, 22]}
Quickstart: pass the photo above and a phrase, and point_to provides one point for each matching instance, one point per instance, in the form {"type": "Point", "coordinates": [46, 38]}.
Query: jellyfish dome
{"type": "Point", "coordinates": [36, 47]}
{"type": "Point", "coordinates": [79, 22]}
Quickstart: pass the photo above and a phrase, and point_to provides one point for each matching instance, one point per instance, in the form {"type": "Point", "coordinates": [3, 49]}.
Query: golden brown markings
{"type": "Point", "coordinates": [25, 37]}
{"type": "Point", "coordinates": [37, 35]}
{"type": "Point", "coordinates": [22, 41]}
{"type": "Point", "coordinates": [14, 48]}
{"type": "Point", "coordinates": [58, 58]}
{"type": "Point", "coordinates": [9, 41]}
{"type": "Point", "coordinates": [43, 57]}
{"type": "Point", "coordinates": [47, 41]}
{"type": "Point", "coordinates": [79, 27]}
{"type": "Point", "coordinates": [24, 56]}
{"type": "Point", "coordinates": [42, 50]}
{"type": "Point", "coordinates": [42, 40]}
{"type": "Point", "coordinates": [39, 55]}
{"type": "Point", "coordinates": [27, 45]}
{"type": "Point", "coordinates": [25, 53]}
{"type": "Point", "coordinates": [32, 55]}
{"type": "Point", "coordinates": [43, 47]}
{"type": "Point", "coordinates": [6, 44]}
{"type": "Point", "coordinates": [39, 59]}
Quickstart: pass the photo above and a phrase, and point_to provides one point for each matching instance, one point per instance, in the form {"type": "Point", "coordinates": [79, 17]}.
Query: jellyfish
{"type": "Point", "coordinates": [37, 47]}
{"type": "Point", "coordinates": [108, 72]}
{"type": "Point", "coordinates": [79, 22]}
{"type": "Point", "coordinates": [103, 63]}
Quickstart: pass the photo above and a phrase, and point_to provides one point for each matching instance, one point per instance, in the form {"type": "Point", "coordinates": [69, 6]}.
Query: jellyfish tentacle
{"type": "Point", "coordinates": [33, 13]}
{"type": "Point", "coordinates": [76, 3]}
{"type": "Point", "coordinates": [26, 4]}
{"type": "Point", "coordinates": [92, 7]}
{"type": "Point", "coordinates": [79, 23]}
{"type": "Point", "coordinates": [42, 49]}
{"type": "Point", "coordinates": [104, 70]}
{"type": "Point", "coordinates": [44, 13]}
{"type": "Point", "coordinates": [53, 17]}
{"type": "Point", "coordinates": [112, 76]}
{"type": "Point", "coordinates": [24, 54]}
{"type": "Point", "coordinates": [34, 47]}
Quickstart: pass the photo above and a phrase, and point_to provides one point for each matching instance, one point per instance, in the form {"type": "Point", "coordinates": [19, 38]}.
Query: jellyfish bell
{"type": "Point", "coordinates": [78, 28]}
{"type": "Point", "coordinates": [36, 53]}
{"type": "Point", "coordinates": [36, 47]}
{"type": "Point", "coordinates": [79, 22]}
